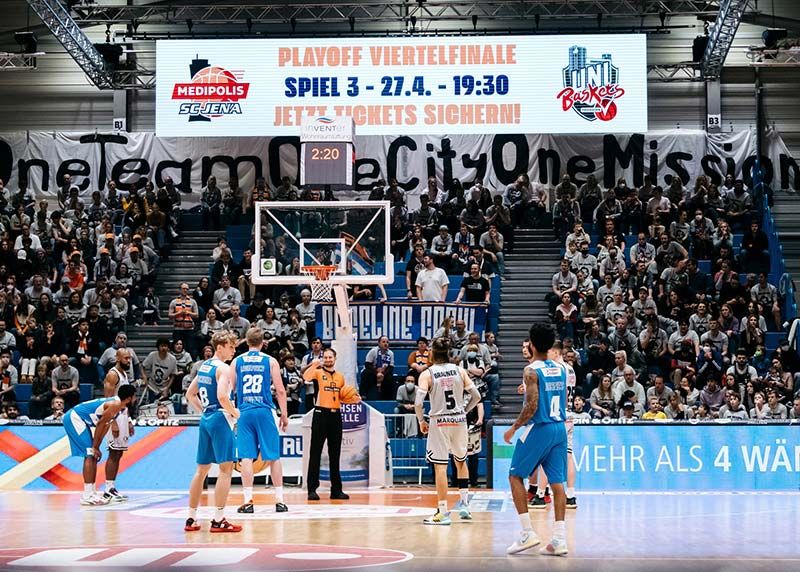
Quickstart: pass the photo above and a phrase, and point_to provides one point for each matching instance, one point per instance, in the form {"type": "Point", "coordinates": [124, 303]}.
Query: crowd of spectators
{"type": "Point", "coordinates": [638, 318]}
{"type": "Point", "coordinates": [662, 314]}
{"type": "Point", "coordinates": [75, 273]}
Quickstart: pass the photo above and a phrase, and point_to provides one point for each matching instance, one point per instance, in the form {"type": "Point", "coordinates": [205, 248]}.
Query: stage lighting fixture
{"type": "Point", "coordinates": [27, 42]}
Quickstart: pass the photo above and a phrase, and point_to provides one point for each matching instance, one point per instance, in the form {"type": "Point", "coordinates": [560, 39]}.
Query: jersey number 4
{"type": "Point", "coordinates": [252, 383]}
{"type": "Point", "coordinates": [555, 408]}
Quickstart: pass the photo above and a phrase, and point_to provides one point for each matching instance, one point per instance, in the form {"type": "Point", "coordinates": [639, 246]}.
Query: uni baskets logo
{"type": "Point", "coordinates": [590, 86]}
{"type": "Point", "coordinates": [212, 92]}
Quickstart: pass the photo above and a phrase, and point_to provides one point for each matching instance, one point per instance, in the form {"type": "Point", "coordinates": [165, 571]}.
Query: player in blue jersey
{"type": "Point", "coordinates": [78, 423]}
{"type": "Point", "coordinates": [544, 441]}
{"type": "Point", "coordinates": [255, 374]}
{"type": "Point", "coordinates": [210, 392]}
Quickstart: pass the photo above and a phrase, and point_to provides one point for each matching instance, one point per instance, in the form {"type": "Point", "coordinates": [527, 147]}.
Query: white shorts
{"type": "Point", "coordinates": [570, 429]}
{"type": "Point", "coordinates": [447, 435]}
{"type": "Point", "coordinates": [119, 443]}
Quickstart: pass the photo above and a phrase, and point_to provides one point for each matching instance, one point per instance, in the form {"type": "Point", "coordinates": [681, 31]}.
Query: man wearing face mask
{"type": "Point", "coordinates": [406, 396]}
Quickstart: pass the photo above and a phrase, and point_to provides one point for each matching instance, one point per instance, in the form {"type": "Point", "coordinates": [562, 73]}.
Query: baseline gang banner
{"type": "Point", "coordinates": [489, 84]}
{"type": "Point", "coordinates": [41, 159]}
{"type": "Point", "coordinates": [401, 322]}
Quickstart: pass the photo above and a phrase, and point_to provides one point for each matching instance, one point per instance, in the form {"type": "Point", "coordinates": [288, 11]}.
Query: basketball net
{"type": "Point", "coordinates": [321, 286]}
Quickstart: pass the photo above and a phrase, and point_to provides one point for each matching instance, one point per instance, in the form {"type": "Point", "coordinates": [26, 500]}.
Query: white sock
{"type": "Point", "coordinates": [560, 530]}
{"type": "Point", "coordinates": [525, 521]}
{"type": "Point", "coordinates": [279, 494]}
{"type": "Point", "coordinates": [218, 514]}
{"type": "Point", "coordinates": [464, 494]}
{"type": "Point", "coordinates": [88, 490]}
{"type": "Point", "coordinates": [193, 513]}
{"type": "Point", "coordinates": [570, 492]}
{"type": "Point", "coordinates": [443, 507]}
{"type": "Point", "coordinates": [248, 494]}
{"type": "Point", "coordinates": [109, 485]}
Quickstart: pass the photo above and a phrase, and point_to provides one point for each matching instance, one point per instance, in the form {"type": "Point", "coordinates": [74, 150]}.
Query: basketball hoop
{"type": "Point", "coordinates": [321, 287]}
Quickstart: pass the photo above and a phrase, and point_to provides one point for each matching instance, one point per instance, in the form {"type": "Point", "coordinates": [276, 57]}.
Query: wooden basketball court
{"type": "Point", "coordinates": [383, 530]}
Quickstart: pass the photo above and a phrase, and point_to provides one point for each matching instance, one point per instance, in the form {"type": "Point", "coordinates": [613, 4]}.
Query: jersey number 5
{"type": "Point", "coordinates": [450, 399]}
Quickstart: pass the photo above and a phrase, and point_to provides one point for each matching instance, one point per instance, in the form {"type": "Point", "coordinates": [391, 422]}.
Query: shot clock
{"type": "Point", "coordinates": [326, 151]}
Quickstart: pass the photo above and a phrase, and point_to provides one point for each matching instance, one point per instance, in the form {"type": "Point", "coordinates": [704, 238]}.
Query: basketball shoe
{"type": "Point", "coordinates": [191, 525]}
{"type": "Point", "coordinates": [94, 500]}
{"type": "Point", "coordinates": [224, 526]}
{"type": "Point", "coordinates": [463, 511]}
{"type": "Point", "coordinates": [439, 519]}
{"type": "Point", "coordinates": [114, 496]}
{"type": "Point", "coordinates": [246, 508]}
{"type": "Point", "coordinates": [527, 539]}
{"type": "Point", "coordinates": [555, 548]}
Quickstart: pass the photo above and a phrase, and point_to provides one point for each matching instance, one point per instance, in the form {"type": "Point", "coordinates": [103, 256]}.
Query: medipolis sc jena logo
{"type": "Point", "coordinates": [212, 92]}
{"type": "Point", "coordinates": [590, 86]}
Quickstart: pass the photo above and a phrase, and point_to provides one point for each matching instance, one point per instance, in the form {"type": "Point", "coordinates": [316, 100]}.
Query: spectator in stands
{"type": "Point", "coordinates": [309, 360]}
{"type": "Point", "coordinates": [602, 401]}
{"type": "Point", "coordinates": [712, 396]}
{"type": "Point", "coordinates": [209, 326]}
{"type": "Point", "coordinates": [630, 220]}
{"type": "Point", "coordinates": [210, 202]}
{"type": "Point", "coordinates": [566, 317]}
{"type": "Point", "coordinates": [629, 383]}
{"type": "Point", "coordinates": [431, 282]}
{"type": "Point", "coordinates": [225, 266]}
{"type": "Point", "coordinates": [7, 339]}
{"type": "Point", "coordinates": [183, 311]}
{"type": "Point", "coordinates": [377, 377]}
{"type": "Point", "coordinates": [754, 250]}
{"type": "Point", "coordinates": [492, 243]}
{"type": "Point", "coordinates": [565, 212]}
{"type": "Point", "coordinates": [203, 295]}
{"type": "Point", "coordinates": [564, 282]}
{"type": "Point", "coordinates": [225, 297]}
{"type": "Point", "coordinates": [677, 409]}
{"type": "Point", "coordinates": [236, 323]}
{"type": "Point", "coordinates": [739, 206]}
{"type": "Point", "coordinates": [589, 196]}
{"type": "Point", "coordinates": [655, 410]}
{"type": "Point", "coordinates": [419, 359]}
{"type": "Point", "coordinates": [775, 409]}
{"type": "Point", "coordinates": [766, 296]}
{"type": "Point", "coordinates": [406, 397]}
{"type": "Point", "coordinates": [414, 266]}
{"type": "Point", "coordinates": [500, 216]}
{"type": "Point", "coordinates": [475, 288]}
{"type": "Point", "coordinates": [293, 381]}
{"type": "Point", "coordinates": [442, 248]}
{"type": "Point", "coordinates": [295, 333]}
{"type": "Point", "coordinates": [566, 188]}
{"type": "Point", "coordinates": [65, 382]}
{"type": "Point", "coordinates": [794, 412]}
{"type": "Point", "coordinates": [518, 197]}
{"type": "Point", "coordinates": [307, 309]}
{"type": "Point", "coordinates": [161, 367]}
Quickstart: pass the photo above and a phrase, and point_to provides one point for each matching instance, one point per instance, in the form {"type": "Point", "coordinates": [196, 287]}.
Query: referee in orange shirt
{"type": "Point", "coordinates": [326, 424]}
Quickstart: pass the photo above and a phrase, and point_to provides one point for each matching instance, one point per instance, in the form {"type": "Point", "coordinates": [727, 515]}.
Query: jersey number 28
{"type": "Point", "coordinates": [252, 383]}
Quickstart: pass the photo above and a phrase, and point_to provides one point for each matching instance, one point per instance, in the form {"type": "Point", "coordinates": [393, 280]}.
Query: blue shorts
{"type": "Point", "coordinates": [256, 432]}
{"type": "Point", "coordinates": [215, 443]}
{"type": "Point", "coordinates": [79, 434]}
{"type": "Point", "coordinates": [544, 445]}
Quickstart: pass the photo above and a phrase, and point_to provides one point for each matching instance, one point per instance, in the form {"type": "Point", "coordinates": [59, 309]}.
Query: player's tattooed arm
{"type": "Point", "coordinates": [531, 381]}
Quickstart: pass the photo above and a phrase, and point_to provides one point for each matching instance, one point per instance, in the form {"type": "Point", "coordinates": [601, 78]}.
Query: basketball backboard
{"type": "Point", "coordinates": [352, 236]}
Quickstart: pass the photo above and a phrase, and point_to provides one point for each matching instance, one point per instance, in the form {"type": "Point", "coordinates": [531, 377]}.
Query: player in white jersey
{"type": "Point", "coordinates": [121, 426]}
{"type": "Point", "coordinates": [446, 385]}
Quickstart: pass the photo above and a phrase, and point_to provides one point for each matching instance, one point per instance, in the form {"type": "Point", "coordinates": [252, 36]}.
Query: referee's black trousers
{"type": "Point", "coordinates": [325, 426]}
